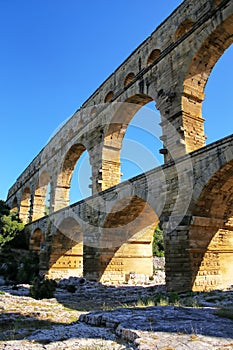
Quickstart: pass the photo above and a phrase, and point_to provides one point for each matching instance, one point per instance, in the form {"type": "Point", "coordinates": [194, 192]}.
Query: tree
{"type": "Point", "coordinates": [10, 224]}
{"type": "Point", "coordinates": [158, 244]}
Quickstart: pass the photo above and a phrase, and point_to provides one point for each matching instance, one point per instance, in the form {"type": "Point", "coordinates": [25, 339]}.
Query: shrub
{"type": "Point", "coordinates": [158, 244]}
{"type": "Point", "coordinates": [28, 268]}
{"type": "Point", "coordinates": [225, 312]}
{"type": "Point", "coordinates": [42, 288]}
{"type": "Point", "coordinates": [71, 288]}
{"type": "Point", "coordinates": [10, 224]}
{"type": "Point", "coordinates": [18, 266]}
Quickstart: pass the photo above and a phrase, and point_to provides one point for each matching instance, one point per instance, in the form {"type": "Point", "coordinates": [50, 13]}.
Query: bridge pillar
{"type": "Point", "coordinates": [111, 167]}
{"type": "Point", "coordinates": [177, 260]}
{"type": "Point", "coordinates": [199, 254]}
{"type": "Point", "coordinates": [62, 198]}
{"type": "Point", "coordinates": [91, 262]}
{"type": "Point", "coordinates": [105, 162]}
{"type": "Point", "coordinates": [180, 107]}
{"type": "Point", "coordinates": [211, 253]}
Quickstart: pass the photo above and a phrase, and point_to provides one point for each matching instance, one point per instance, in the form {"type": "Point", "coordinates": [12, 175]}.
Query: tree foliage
{"type": "Point", "coordinates": [10, 224]}
{"type": "Point", "coordinates": [158, 244]}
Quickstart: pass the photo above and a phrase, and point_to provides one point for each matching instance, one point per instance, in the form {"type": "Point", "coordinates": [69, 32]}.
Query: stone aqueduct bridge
{"type": "Point", "coordinates": [108, 235]}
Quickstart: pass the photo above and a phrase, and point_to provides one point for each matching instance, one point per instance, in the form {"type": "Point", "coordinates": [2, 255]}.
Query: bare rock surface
{"type": "Point", "coordinates": [135, 316]}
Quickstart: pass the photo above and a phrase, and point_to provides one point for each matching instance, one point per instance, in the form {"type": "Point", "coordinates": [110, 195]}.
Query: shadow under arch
{"type": "Point", "coordinates": [36, 239]}
{"type": "Point", "coordinates": [112, 144]}
{"type": "Point", "coordinates": [211, 233]}
{"type": "Point", "coordinates": [126, 241]}
{"type": "Point", "coordinates": [62, 190]}
{"type": "Point", "coordinates": [196, 77]}
{"type": "Point", "coordinates": [66, 251]}
{"type": "Point", "coordinates": [39, 201]}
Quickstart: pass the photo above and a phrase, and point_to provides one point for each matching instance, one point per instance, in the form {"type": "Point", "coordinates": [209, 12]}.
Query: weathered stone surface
{"type": "Point", "coordinates": [65, 325]}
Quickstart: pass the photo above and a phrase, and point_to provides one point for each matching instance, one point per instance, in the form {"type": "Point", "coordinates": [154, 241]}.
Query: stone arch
{"type": "Point", "coordinates": [14, 205]}
{"type": "Point", "coordinates": [130, 77]}
{"type": "Point", "coordinates": [36, 239]}
{"type": "Point", "coordinates": [109, 96]}
{"type": "Point", "coordinates": [114, 135]}
{"type": "Point", "coordinates": [126, 241]}
{"type": "Point", "coordinates": [216, 3]}
{"type": "Point", "coordinates": [25, 206]}
{"type": "Point", "coordinates": [153, 56]}
{"type": "Point", "coordinates": [183, 28]}
{"type": "Point", "coordinates": [39, 201]}
{"type": "Point", "coordinates": [211, 233]}
{"type": "Point", "coordinates": [93, 111]}
{"type": "Point", "coordinates": [196, 76]}
{"type": "Point", "coordinates": [66, 251]}
{"type": "Point", "coordinates": [65, 175]}
{"type": "Point", "coordinates": [70, 133]}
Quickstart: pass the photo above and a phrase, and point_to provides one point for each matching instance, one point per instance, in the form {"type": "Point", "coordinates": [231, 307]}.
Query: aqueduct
{"type": "Point", "coordinates": [108, 235]}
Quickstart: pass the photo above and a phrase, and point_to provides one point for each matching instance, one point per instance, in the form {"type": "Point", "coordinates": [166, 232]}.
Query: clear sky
{"type": "Point", "coordinates": [55, 53]}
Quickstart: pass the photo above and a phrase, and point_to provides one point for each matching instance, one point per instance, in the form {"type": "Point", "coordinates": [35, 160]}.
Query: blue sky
{"type": "Point", "coordinates": [55, 53]}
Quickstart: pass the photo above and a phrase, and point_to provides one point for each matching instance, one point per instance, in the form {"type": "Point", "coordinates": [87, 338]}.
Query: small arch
{"type": "Point", "coordinates": [216, 3]}
{"type": "Point", "coordinates": [153, 56]}
{"type": "Point", "coordinates": [109, 96]}
{"type": "Point", "coordinates": [36, 240]}
{"type": "Point", "coordinates": [70, 133]}
{"type": "Point", "coordinates": [61, 142]}
{"type": "Point", "coordinates": [183, 28]}
{"type": "Point", "coordinates": [14, 206]}
{"type": "Point", "coordinates": [130, 77]}
{"type": "Point", "coordinates": [93, 111]}
{"type": "Point", "coordinates": [66, 257]}
{"type": "Point", "coordinates": [24, 212]}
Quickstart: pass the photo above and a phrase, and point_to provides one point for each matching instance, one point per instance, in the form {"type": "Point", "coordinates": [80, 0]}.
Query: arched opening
{"type": "Point", "coordinates": [126, 241]}
{"type": "Point", "coordinates": [211, 234]}
{"type": "Point", "coordinates": [72, 175]}
{"type": "Point", "coordinates": [14, 206]}
{"type": "Point", "coordinates": [36, 240]}
{"type": "Point", "coordinates": [217, 106]}
{"type": "Point", "coordinates": [183, 28]}
{"type": "Point", "coordinates": [41, 203]}
{"type": "Point", "coordinates": [195, 82]}
{"type": "Point", "coordinates": [153, 56]}
{"type": "Point", "coordinates": [93, 111]}
{"type": "Point", "coordinates": [141, 143]}
{"type": "Point", "coordinates": [216, 3]}
{"type": "Point", "coordinates": [66, 253]}
{"type": "Point", "coordinates": [132, 141]}
{"type": "Point", "coordinates": [130, 77]}
{"type": "Point", "coordinates": [108, 97]}
{"type": "Point", "coordinates": [24, 212]}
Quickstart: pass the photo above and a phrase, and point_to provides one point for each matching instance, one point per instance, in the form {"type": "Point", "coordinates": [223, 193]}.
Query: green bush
{"type": "Point", "coordinates": [10, 224]}
{"type": "Point", "coordinates": [71, 288]}
{"type": "Point", "coordinates": [158, 244]}
{"type": "Point", "coordinates": [42, 288]}
{"type": "Point", "coordinates": [18, 266]}
{"type": "Point", "coordinates": [28, 268]}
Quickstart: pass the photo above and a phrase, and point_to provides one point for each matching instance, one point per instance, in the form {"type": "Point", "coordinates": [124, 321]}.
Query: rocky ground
{"type": "Point", "coordinates": [134, 316]}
